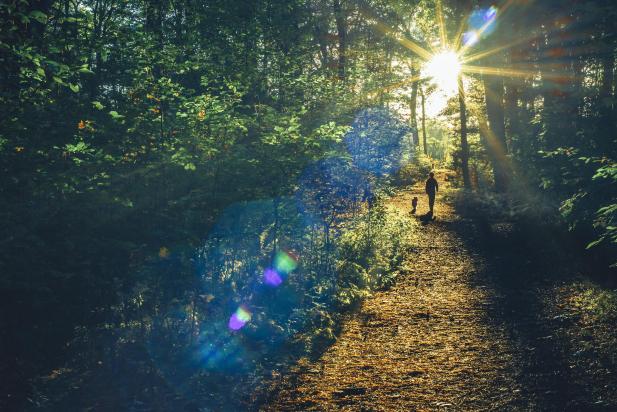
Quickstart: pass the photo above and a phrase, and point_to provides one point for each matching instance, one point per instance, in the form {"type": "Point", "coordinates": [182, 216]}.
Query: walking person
{"type": "Point", "coordinates": [431, 189]}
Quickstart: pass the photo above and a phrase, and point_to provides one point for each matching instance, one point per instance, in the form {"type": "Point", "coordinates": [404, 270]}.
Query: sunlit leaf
{"type": "Point", "coordinates": [115, 115]}
{"type": "Point", "coordinates": [38, 16]}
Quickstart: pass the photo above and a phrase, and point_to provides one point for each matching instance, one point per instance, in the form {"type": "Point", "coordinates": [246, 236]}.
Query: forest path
{"type": "Point", "coordinates": [481, 318]}
{"type": "Point", "coordinates": [423, 344]}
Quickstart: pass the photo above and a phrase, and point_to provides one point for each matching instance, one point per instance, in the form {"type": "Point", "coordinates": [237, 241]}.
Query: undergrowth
{"type": "Point", "coordinates": [180, 343]}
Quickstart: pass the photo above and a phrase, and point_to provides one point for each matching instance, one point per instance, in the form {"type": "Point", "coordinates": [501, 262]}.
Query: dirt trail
{"type": "Point", "coordinates": [484, 317]}
{"type": "Point", "coordinates": [423, 345]}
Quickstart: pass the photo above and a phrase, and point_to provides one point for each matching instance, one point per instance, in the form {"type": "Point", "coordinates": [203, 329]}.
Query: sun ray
{"type": "Point", "coordinates": [486, 25]}
{"type": "Point", "coordinates": [497, 146]}
{"type": "Point", "coordinates": [491, 139]}
{"type": "Point", "coordinates": [556, 76]}
{"type": "Point", "coordinates": [478, 33]}
{"type": "Point", "coordinates": [494, 71]}
{"type": "Point", "coordinates": [442, 25]}
{"type": "Point", "coordinates": [573, 51]}
{"type": "Point", "coordinates": [459, 33]}
{"type": "Point", "coordinates": [404, 41]}
{"type": "Point", "coordinates": [473, 57]}
{"type": "Point", "coordinates": [388, 88]}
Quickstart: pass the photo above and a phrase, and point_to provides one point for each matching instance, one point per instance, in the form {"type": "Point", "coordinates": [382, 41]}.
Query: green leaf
{"type": "Point", "coordinates": [607, 210]}
{"type": "Point", "coordinates": [98, 105]}
{"type": "Point", "coordinates": [74, 87]}
{"type": "Point", "coordinates": [40, 71]}
{"type": "Point", "coordinates": [79, 147]}
{"type": "Point", "coordinates": [115, 115]}
{"type": "Point", "coordinates": [38, 16]}
{"type": "Point", "coordinates": [595, 243]}
{"type": "Point", "coordinates": [84, 68]}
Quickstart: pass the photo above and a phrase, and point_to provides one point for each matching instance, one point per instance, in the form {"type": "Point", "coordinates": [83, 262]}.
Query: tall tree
{"type": "Point", "coordinates": [424, 142]}
{"type": "Point", "coordinates": [496, 133]}
{"type": "Point", "coordinates": [340, 17]}
{"type": "Point", "coordinates": [464, 142]}
{"type": "Point", "coordinates": [496, 145]}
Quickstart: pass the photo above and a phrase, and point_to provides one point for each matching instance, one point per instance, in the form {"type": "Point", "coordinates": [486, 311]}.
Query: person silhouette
{"type": "Point", "coordinates": [431, 188]}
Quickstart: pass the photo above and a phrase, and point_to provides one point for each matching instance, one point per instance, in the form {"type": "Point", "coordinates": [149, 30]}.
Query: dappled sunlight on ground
{"type": "Point", "coordinates": [421, 345]}
{"type": "Point", "coordinates": [479, 319]}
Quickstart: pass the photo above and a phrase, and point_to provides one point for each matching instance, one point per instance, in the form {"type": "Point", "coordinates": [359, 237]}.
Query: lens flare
{"type": "Point", "coordinates": [285, 262]}
{"type": "Point", "coordinates": [482, 22]}
{"type": "Point", "coordinates": [470, 38]}
{"type": "Point", "coordinates": [490, 14]}
{"type": "Point", "coordinates": [272, 278]}
{"type": "Point", "coordinates": [375, 141]}
{"type": "Point", "coordinates": [240, 318]}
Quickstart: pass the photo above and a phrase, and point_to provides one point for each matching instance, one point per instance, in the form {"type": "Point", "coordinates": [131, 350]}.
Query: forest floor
{"type": "Point", "coordinates": [479, 319]}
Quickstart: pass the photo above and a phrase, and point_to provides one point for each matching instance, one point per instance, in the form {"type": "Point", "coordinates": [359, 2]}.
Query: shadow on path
{"type": "Point", "coordinates": [527, 269]}
{"type": "Point", "coordinates": [481, 318]}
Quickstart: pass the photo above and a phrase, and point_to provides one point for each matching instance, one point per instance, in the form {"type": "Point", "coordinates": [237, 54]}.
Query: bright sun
{"type": "Point", "coordinates": [444, 68]}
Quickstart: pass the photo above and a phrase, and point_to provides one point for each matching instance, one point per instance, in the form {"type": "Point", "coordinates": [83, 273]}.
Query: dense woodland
{"type": "Point", "coordinates": [157, 154]}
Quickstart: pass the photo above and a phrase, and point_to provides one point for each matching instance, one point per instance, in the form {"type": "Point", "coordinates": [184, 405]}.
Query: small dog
{"type": "Point", "coordinates": [414, 205]}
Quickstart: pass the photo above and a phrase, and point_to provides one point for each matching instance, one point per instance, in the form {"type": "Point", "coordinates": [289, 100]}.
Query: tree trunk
{"type": "Point", "coordinates": [607, 109]}
{"type": "Point", "coordinates": [424, 145]}
{"type": "Point", "coordinates": [511, 111]}
{"type": "Point", "coordinates": [323, 48]}
{"type": "Point", "coordinates": [514, 57]}
{"type": "Point", "coordinates": [496, 133]}
{"type": "Point", "coordinates": [341, 28]}
{"type": "Point", "coordinates": [464, 143]}
{"type": "Point", "coordinates": [413, 103]}
{"type": "Point", "coordinates": [608, 79]}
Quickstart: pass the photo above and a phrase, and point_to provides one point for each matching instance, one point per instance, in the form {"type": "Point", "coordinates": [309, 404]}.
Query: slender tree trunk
{"type": "Point", "coordinates": [607, 109]}
{"type": "Point", "coordinates": [424, 145]}
{"type": "Point", "coordinates": [608, 79]}
{"type": "Point", "coordinates": [512, 110]}
{"type": "Point", "coordinates": [95, 59]}
{"type": "Point", "coordinates": [464, 143]}
{"type": "Point", "coordinates": [514, 56]}
{"type": "Point", "coordinates": [412, 125]}
{"type": "Point", "coordinates": [496, 134]}
{"type": "Point", "coordinates": [275, 204]}
{"type": "Point", "coordinates": [323, 48]}
{"type": "Point", "coordinates": [341, 28]}
{"type": "Point", "coordinates": [608, 74]}
{"type": "Point", "coordinates": [413, 103]}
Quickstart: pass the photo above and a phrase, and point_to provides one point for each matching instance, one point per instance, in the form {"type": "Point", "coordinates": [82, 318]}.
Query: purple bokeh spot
{"type": "Point", "coordinates": [490, 14]}
{"type": "Point", "coordinates": [235, 323]}
{"type": "Point", "coordinates": [272, 278]}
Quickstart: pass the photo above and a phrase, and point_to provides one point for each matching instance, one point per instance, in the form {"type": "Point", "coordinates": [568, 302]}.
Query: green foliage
{"type": "Point", "coordinates": [370, 254]}
{"type": "Point", "coordinates": [127, 129]}
{"type": "Point", "coordinates": [415, 170]}
{"type": "Point", "coordinates": [605, 221]}
{"type": "Point", "coordinates": [590, 211]}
